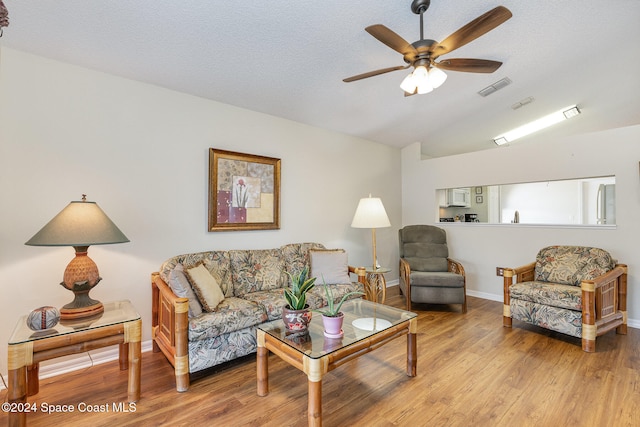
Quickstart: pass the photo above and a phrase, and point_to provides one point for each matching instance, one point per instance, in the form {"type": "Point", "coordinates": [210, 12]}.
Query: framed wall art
{"type": "Point", "coordinates": [244, 191]}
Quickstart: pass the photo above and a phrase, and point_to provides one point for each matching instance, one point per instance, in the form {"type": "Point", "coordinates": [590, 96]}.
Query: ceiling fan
{"type": "Point", "coordinates": [422, 54]}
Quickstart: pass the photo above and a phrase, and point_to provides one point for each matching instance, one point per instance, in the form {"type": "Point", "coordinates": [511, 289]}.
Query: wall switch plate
{"type": "Point", "coordinates": [499, 271]}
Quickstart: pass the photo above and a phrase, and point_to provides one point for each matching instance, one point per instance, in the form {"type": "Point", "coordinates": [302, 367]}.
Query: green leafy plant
{"type": "Point", "coordinates": [332, 309]}
{"type": "Point", "coordinates": [296, 296]}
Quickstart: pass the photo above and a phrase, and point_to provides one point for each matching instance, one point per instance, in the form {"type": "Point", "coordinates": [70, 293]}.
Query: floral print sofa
{"type": "Point", "coordinates": [578, 291]}
{"type": "Point", "coordinates": [252, 282]}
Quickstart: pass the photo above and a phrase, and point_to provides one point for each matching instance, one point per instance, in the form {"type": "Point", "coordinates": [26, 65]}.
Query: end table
{"type": "Point", "coordinates": [119, 324]}
{"type": "Point", "coordinates": [375, 288]}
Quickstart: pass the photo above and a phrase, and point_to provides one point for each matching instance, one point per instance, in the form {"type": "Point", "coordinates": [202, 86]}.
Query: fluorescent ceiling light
{"type": "Point", "coordinates": [536, 125]}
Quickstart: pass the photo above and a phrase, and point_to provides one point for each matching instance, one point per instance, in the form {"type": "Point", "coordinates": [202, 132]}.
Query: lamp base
{"type": "Point", "coordinates": [80, 276]}
{"type": "Point", "coordinates": [82, 306]}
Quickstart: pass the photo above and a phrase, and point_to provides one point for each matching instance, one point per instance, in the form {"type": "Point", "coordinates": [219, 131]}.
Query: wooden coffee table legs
{"type": "Point", "coordinates": [314, 406]}
{"type": "Point", "coordinates": [262, 369]}
{"type": "Point", "coordinates": [311, 367]}
{"type": "Point", "coordinates": [412, 349]}
{"type": "Point", "coordinates": [315, 370]}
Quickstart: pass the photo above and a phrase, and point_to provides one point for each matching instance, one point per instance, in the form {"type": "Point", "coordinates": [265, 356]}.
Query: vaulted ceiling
{"type": "Point", "coordinates": [288, 59]}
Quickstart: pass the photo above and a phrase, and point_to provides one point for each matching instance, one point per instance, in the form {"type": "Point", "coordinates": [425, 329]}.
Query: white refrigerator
{"type": "Point", "coordinates": [606, 204]}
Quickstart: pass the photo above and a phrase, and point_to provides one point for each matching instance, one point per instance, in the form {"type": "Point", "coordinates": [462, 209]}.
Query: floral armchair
{"type": "Point", "coordinates": [578, 291]}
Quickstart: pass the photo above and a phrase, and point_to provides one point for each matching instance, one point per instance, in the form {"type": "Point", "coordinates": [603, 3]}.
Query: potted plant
{"type": "Point", "coordinates": [295, 313]}
{"type": "Point", "coordinates": [332, 317]}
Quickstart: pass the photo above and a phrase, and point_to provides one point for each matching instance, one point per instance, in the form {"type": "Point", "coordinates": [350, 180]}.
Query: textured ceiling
{"type": "Point", "coordinates": [288, 59]}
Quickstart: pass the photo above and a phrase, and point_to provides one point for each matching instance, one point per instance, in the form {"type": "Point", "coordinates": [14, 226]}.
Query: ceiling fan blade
{"type": "Point", "coordinates": [374, 73]}
{"type": "Point", "coordinates": [469, 65]}
{"type": "Point", "coordinates": [474, 29]}
{"type": "Point", "coordinates": [391, 39]}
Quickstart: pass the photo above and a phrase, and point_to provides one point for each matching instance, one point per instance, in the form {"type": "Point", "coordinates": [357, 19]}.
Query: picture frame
{"type": "Point", "coordinates": [478, 190]}
{"type": "Point", "coordinates": [244, 191]}
{"type": "Point", "coordinates": [478, 199]}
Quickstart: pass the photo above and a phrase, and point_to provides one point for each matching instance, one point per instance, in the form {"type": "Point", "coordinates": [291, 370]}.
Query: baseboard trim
{"type": "Point", "coordinates": [393, 283]}
{"type": "Point", "coordinates": [484, 295]}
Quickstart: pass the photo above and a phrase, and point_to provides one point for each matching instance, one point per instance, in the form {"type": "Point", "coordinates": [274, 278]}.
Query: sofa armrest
{"type": "Point", "coordinates": [170, 328]}
{"type": "Point", "coordinates": [600, 281]}
{"type": "Point", "coordinates": [360, 271]}
{"type": "Point", "coordinates": [521, 274]}
{"type": "Point", "coordinates": [524, 273]}
{"type": "Point", "coordinates": [604, 305]}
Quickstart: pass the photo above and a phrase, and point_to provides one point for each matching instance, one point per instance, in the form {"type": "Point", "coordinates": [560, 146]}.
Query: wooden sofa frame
{"type": "Point", "coordinates": [170, 326]}
{"type": "Point", "coordinates": [604, 302]}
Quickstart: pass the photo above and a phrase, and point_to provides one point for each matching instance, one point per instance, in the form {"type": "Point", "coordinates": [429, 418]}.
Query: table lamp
{"type": "Point", "coordinates": [371, 214]}
{"type": "Point", "coordinates": [81, 224]}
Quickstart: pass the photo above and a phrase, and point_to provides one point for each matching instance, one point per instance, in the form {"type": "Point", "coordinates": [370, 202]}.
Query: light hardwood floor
{"type": "Point", "coordinates": [471, 372]}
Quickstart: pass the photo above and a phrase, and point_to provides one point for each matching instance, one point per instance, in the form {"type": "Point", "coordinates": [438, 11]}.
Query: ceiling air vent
{"type": "Point", "coordinates": [494, 87]}
{"type": "Point", "coordinates": [522, 103]}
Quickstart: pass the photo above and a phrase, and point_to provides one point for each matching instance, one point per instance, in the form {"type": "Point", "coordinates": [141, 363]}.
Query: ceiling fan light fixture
{"type": "Point", "coordinates": [437, 77]}
{"type": "Point", "coordinates": [419, 79]}
{"type": "Point", "coordinates": [408, 84]}
{"type": "Point", "coordinates": [422, 80]}
{"type": "Point", "coordinates": [424, 87]}
{"type": "Point", "coordinates": [420, 74]}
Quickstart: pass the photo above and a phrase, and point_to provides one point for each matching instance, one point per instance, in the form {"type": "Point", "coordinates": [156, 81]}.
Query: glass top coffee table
{"type": "Point", "coordinates": [367, 326]}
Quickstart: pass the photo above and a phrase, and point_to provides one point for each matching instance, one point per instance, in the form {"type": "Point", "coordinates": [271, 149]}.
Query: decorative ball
{"type": "Point", "coordinates": [43, 318]}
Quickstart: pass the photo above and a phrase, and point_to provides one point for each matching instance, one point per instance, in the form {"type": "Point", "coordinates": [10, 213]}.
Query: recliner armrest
{"type": "Point", "coordinates": [454, 266]}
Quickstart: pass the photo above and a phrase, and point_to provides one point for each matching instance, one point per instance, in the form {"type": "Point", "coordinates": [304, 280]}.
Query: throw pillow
{"type": "Point", "coordinates": [205, 286]}
{"type": "Point", "coordinates": [180, 286]}
{"type": "Point", "coordinates": [329, 266]}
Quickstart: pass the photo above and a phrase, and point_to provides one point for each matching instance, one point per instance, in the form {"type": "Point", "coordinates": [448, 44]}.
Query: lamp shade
{"type": "Point", "coordinates": [79, 224]}
{"type": "Point", "coordinates": [370, 214]}
{"type": "Point", "coordinates": [437, 77]}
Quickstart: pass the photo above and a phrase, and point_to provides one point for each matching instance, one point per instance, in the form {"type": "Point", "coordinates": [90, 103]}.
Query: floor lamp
{"type": "Point", "coordinates": [370, 213]}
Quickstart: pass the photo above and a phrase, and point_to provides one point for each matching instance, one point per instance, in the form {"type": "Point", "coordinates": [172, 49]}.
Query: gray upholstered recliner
{"type": "Point", "coordinates": [427, 274]}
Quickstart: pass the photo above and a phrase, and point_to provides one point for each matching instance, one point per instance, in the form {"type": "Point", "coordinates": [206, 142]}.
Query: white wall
{"type": "Point", "coordinates": [141, 152]}
{"type": "Point", "coordinates": [483, 247]}
{"type": "Point", "coordinates": [551, 202]}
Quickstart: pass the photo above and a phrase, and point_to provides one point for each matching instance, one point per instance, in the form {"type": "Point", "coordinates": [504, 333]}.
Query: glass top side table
{"type": "Point", "coordinates": [375, 287]}
{"type": "Point", "coordinates": [119, 324]}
